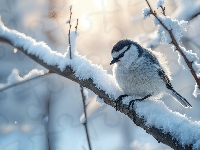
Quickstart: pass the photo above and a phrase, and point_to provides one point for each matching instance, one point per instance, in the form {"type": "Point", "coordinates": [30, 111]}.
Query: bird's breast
{"type": "Point", "coordinates": [138, 79]}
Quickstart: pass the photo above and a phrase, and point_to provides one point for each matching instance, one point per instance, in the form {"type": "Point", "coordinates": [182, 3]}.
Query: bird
{"type": "Point", "coordinates": [142, 72]}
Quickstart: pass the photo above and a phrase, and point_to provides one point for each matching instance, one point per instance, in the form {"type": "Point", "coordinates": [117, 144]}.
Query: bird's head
{"type": "Point", "coordinates": [124, 50]}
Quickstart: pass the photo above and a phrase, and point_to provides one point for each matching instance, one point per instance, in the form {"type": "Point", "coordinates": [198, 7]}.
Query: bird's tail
{"type": "Point", "coordinates": [180, 99]}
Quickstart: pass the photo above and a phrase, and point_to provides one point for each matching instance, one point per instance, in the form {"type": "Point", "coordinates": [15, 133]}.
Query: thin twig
{"type": "Point", "coordinates": [70, 53]}
{"type": "Point", "coordinates": [82, 94]}
{"type": "Point", "coordinates": [163, 10]}
{"type": "Point", "coordinates": [174, 42]}
{"type": "Point", "coordinates": [21, 82]}
{"type": "Point", "coordinates": [194, 16]}
{"type": "Point", "coordinates": [85, 114]}
{"type": "Point", "coordinates": [76, 27]}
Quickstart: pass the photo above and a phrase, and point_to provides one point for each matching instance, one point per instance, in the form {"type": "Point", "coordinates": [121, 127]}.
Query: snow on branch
{"type": "Point", "coordinates": [183, 12]}
{"type": "Point", "coordinates": [170, 128]}
{"type": "Point", "coordinates": [170, 32]}
{"type": "Point", "coordinates": [14, 79]}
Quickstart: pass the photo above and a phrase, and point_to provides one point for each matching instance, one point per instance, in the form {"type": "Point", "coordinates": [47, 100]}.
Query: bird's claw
{"type": "Point", "coordinates": [118, 100]}
{"type": "Point", "coordinates": [131, 103]}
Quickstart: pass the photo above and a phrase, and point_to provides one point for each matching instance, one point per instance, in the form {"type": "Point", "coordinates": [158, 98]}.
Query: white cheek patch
{"type": "Point", "coordinates": [116, 54]}
{"type": "Point", "coordinates": [130, 56]}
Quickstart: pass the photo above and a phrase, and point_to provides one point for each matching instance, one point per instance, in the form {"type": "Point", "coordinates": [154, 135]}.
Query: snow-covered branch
{"type": "Point", "coordinates": [170, 128]}
{"type": "Point", "coordinates": [182, 12]}
{"type": "Point", "coordinates": [171, 29]}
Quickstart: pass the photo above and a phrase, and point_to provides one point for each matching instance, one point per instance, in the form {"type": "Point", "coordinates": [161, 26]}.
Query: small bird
{"type": "Point", "coordinates": [142, 72]}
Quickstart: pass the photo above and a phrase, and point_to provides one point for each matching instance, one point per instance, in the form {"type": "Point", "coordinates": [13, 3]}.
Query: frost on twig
{"type": "Point", "coordinates": [160, 5]}
{"type": "Point", "coordinates": [175, 26]}
{"type": "Point", "coordinates": [72, 46]}
{"type": "Point", "coordinates": [14, 78]}
{"type": "Point", "coordinates": [170, 31]}
{"type": "Point", "coordinates": [182, 12]}
{"type": "Point", "coordinates": [146, 12]}
{"type": "Point", "coordinates": [196, 91]}
{"type": "Point", "coordinates": [148, 114]}
{"type": "Point", "coordinates": [69, 34]}
{"type": "Point", "coordinates": [72, 35]}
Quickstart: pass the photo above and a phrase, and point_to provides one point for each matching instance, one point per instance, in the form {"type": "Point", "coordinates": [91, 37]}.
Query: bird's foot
{"type": "Point", "coordinates": [131, 103]}
{"type": "Point", "coordinates": [118, 100]}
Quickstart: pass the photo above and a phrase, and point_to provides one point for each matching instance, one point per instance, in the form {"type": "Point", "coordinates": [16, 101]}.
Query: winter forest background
{"type": "Point", "coordinates": [53, 103]}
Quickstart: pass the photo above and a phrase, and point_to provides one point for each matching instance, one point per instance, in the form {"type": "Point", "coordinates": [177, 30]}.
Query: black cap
{"type": "Point", "coordinates": [121, 44]}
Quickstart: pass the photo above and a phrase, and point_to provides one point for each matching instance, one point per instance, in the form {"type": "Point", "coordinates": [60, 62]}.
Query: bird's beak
{"type": "Point", "coordinates": [114, 61]}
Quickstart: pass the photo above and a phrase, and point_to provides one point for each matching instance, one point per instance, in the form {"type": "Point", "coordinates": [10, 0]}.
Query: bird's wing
{"type": "Point", "coordinates": [163, 76]}
{"type": "Point", "coordinates": [153, 60]}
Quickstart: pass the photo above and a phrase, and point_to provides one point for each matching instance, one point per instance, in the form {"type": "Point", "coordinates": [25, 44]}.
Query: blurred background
{"type": "Point", "coordinates": [45, 113]}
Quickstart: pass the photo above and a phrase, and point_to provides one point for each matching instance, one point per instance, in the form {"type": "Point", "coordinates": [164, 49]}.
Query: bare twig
{"type": "Point", "coordinates": [82, 94]}
{"type": "Point", "coordinates": [76, 27]}
{"type": "Point", "coordinates": [194, 16]}
{"type": "Point", "coordinates": [174, 42]}
{"type": "Point", "coordinates": [21, 82]}
{"type": "Point", "coordinates": [85, 114]}
{"type": "Point", "coordinates": [163, 10]}
{"type": "Point", "coordinates": [70, 53]}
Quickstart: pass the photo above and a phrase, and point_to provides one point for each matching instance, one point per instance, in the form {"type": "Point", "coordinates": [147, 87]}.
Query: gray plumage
{"type": "Point", "coordinates": [142, 72]}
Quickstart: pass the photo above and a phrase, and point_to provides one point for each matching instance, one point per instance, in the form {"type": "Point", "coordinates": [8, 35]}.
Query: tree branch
{"type": "Point", "coordinates": [194, 16]}
{"type": "Point", "coordinates": [21, 82]}
{"type": "Point", "coordinates": [157, 133]}
{"type": "Point", "coordinates": [174, 42]}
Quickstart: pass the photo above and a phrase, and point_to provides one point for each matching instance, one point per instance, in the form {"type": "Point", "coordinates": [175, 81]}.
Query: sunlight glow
{"type": "Point", "coordinates": [84, 21]}
{"type": "Point", "coordinates": [100, 3]}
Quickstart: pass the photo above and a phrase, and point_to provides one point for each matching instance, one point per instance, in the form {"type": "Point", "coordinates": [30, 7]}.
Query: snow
{"type": "Point", "coordinates": [143, 145]}
{"type": "Point", "coordinates": [161, 117]}
{"type": "Point", "coordinates": [15, 50]}
{"type": "Point", "coordinates": [157, 114]}
{"type": "Point", "coordinates": [14, 77]}
{"type": "Point", "coordinates": [83, 119]}
{"type": "Point", "coordinates": [83, 68]}
{"type": "Point", "coordinates": [73, 36]}
{"type": "Point", "coordinates": [70, 7]}
{"type": "Point", "coordinates": [196, 68]}
{"type": "Point", "coordinates": [177, 28]}
{"type": "Point", "coordinates": [100, 100]}
{"type": "Point", "coordinates": [68, 21]}
{"type": "Point", "coordinates": [182, 62]}
{"type": "Point", "coordinates": [196, 91]}
{"type": "Point", "coordinates": [85, 92]}
{"type": "Point", "coordinates": [192, 57]}
{"type": "Point", "coordinates": [182, 12]}
{"type": "Point", "coordinates": [146, 12]}
{"type": "Point", "coordinates": [160, 3]}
